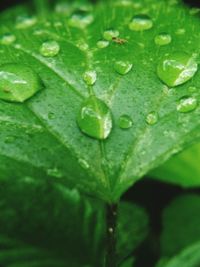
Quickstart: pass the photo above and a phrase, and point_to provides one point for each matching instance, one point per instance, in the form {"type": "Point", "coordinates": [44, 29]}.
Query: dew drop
{"type": "Point", "coordinates": [123, 67]}
{"type": "Point", "coordinates": [180, 31]}
{"type": "Point", "coordinates": [102, 44]}
{"type": "Point", "coordinates": [177, 68]}
{"type": "Point", "coordinates": [7, 39]}
{"type": "Point", "coordinates": [81, 20]}
{"type": "Point", "coordinates": [163, 39]}
{"type": "Point", "coordinates": [187, 104]}
{"type": "Point", "coordinates": [50, 49]}
{"type": "Point", "coordinates": [125, 122]}
{"type": "Point", "coordinates": [110, 34]}
{"type": "Point", "coordinates": [18, 82]}
{"type": "Point", "coordinates": [94, 118]}
{"type": "Point", "coordinates": [84, 164]}
{"type": "Point", "coordinates": [152, 118]}
{"type": "Point", "coordinates": [25, 21]}
{"type": "Point", "coordinates": [141, 22]}
{"type": "Point", "coordinates": [90, 77]}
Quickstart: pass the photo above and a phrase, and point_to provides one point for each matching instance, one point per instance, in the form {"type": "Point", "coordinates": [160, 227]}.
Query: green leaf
{"type": "Point", "coordinates": [41, 138]}
{"type": "Point", "coordinates": [51, 220]}
{"type": "Point", "coordinates": [189, 257]}
{"type": "Point", "coordinates": [180, 225]}
{"type": "Point", "coordinates": [128, 263]}
{"type": "Point", "coordinates": [182, 169]}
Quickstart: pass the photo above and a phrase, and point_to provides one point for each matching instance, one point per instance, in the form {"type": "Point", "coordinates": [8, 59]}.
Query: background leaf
{"type": "Point", "coordinates": [41, 138]}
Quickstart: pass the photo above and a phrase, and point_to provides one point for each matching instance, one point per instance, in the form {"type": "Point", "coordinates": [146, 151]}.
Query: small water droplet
{"type": "Point", "coordinates": [82, 46]}
{"type": "Point", "coordinates": [50, 49]}
{"type": "Point", "coordinates": [7, 39]}
{"type": "Point", "coordinates": [94, 118]}
{"type": "Point", "coordinates": [63, 8]}
{"type": "Point", "coordinates": [81, 20]}
{"type": "Point", "coordinates": [123, 67]}
{"type": "Point", "coordinates": [110, 34]}
{"type": "Point", "coordinates": [125, 122]}
{"type": "Point", "coordinates": [177, 68]}
{"type": "Point", "coordinates": [55, 172]}
{"type": "Point", "coordinates": [18, 82]}
{"type": "Point", "coordinates": [90, 77]}
{"type": "Point", "coordinates": [84, 164]}
{"type": "Point", "coordinates": [152, 118]}
{"type": "Point", "coordinates": [141, 22]}
{"type": "Point", "coordinates": [102, 44]}
{"type": "Point", "coordinates": [163, 39]}
{"type": "Point", "coordinates": [187, 104]}
{"type": "Point", "coordinates": [25, 21]}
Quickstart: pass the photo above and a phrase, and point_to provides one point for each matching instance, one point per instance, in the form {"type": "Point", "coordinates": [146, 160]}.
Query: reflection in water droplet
{"type": "Point", "coordinates": [125, 122]}
{"type": "Point", "coordinates": [163, 39]}
{"type": "Point", "coordinates": [141, 22]}
{"type": "Point", "coordinates": [90, 77]}
{"type": "Point", "coordinates": [110, 34]}
{"type": "Point", "coordinates": [55, 173]}
{"type": "Point", "coordinates": [177, 68]}
{"type": "Point", "coordinates": [94, 118]}
{"type": "Point", "coordinates": [81, 20]}
{"type": "Point", "coordinates": [102, 44]}
{"type": "Point", "coordinates": [18, 82]}
{"type": "Point", "coordinates": [152, 118]}
{"type": "Point", "coordinates": [50, 49]}
{"type": "Point", "coordinates": [24, 22]}
{"type": "Point", "coordinates": [123, 67]}
{"type": "Point", "coordinates": [187, 104]}
{"type": "Point", "coordinates": [7, 39]}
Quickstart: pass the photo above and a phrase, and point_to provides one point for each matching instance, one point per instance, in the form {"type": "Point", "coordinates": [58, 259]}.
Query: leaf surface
{"type": "Point", "coordinates": [41, 138]}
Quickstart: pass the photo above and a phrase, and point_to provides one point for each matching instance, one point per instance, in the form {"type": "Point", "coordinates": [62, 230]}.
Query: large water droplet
{"type": "Point", "coordinates": [141, 22]}
{"type": "Point", "coordinates": [25, 21]}
{"type": "Point", "coordinates": [50, 49]}
{"type": "Point", "coordinates": [7, 39]}
{"type": "Point", "coordinates": [90, 77]}
{"type": "Point", "coordinates": [94, 118]}
{"type": "Point", "coordinates": [187, 104]}
{"type": "Point", "coordinates": [18, 82]}
{"type": "Point", "coordinates": [163, 39]}
{"type": "Point", "coordinates": [110, 34]}
{"type": "Point", "coordinates": [123, 67]}
{"type": "Point", "coordinates": [177, 68]}
{"type": "Point", "coordinates": [81, 20]}
{"type": "Point", "coordinates": [152, 118]}
{"type": "Point", "coordinates": [125, 122]}
{"type": "Point", "coordinates": [102, 44]}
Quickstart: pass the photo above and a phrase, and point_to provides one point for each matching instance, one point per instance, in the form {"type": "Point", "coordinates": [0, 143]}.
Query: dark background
{"type": "Point", "coordinates": [7, 3]}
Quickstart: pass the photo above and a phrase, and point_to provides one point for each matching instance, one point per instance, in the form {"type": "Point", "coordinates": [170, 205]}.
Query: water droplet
{"type": "Point", "coordinates": [123, 67]}
{"type": "Point", "coordinates": [81, 20]}
{"type": "Point", "coordinates": [51, 116]}
{"type": "Point", "coordinates": [50, 49]}
{"type": "Point", "coordinates": [152, 118]}
{"type": "Point", "coordinates": [94, 118]}
{"type": "Point", "coordinates": [125, 122]}
{"type": "Point", "coordinates": [82, 46]}
{"type": "Point", "coordinates": [90, 77]}
{"type": "Point", "coordinates": [177, 68]}
{"type": "Point", "coordinates": [163, 39]}
{"type": "Point", "coordinates": [110, 34]}
{"type": "Point", "coordinates": [10, 139]}
{"type": "Point", "coordinates": [18, 82]}
{"type": "Point", "coordinates": [55, 172]}
{"type": "Point", "coordinates": [7, 39]}
{"type": "Point", "coordinates": [84, 164]}
{"type": "Point", "coordinates": [187, 104]}
{"type": "Point", "coordinates": [63, 8]}
{"type": "Point", "coordinates": [25, 21]}
{"type": "Point", "coordinates": [194, 11]}
{"type": "Point", "coordinates": [140, 23]}
{"type": "Point", "coordinates": [102, 44]}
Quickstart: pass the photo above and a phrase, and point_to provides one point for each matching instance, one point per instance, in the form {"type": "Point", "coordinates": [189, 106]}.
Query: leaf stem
{"type": "Point", "coordinates": [111, 221]}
